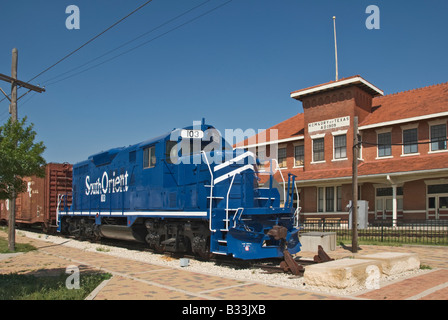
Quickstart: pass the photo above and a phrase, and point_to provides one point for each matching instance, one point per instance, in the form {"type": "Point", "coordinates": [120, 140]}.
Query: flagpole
{"type": "Point", "coordinates": [335, 47]}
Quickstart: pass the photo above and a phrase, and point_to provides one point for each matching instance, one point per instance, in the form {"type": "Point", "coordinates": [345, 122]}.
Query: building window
{"type": "Point", "coordinates": [438, 137]}
{"type": "Point", "coordinates": [386, 192]}
{"type": "Point", "coordinates": [299, 156]}
{"type": "Point", "coordinates": [410, 141]}
{"type": "Point", "coordinates": [320, 199]}
{"type": "Point", "coordinates": [340, 147]}
{"type": "Point", "coordinates": [282, 157]}
{"type": "Point", "coordinates": [339, 198]}
{"type": "Point", "coordinates": [149, 157]}
{"type": "Point", "coordinates": [384, 144]}
{"type": "Point", "coordinates": [329, 199]}
{"type": "Point", "coordinates": [438, 188]}
{"type": "Point", "coordinates": [318, 150]}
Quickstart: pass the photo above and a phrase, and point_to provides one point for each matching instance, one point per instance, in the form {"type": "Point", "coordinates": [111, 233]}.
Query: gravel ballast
{"type": "Point", "coordinates": [211, 268]}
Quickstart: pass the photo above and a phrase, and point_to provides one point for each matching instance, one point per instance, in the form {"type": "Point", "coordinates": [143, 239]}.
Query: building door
{"type": "Point", "coordinates": [437, 206]}
{"type": "Point", "coordinates": [437, 201]}
{"type": "Point", "coordinates": [383, 208]}
{"type": "Point", "coordinates": [384, 202]}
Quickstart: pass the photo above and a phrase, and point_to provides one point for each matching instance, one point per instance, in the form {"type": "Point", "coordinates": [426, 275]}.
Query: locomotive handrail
{"type": "Point", "coordinates": [60, 197]}
{"type": "Point", "coordinates": [233, 173]}
{"type": "Point", "coordinates": [298, 209]}
{"type": "Point", "coordinates": [236, 213]}
{"type": "Point", "coordinates": [281, 174]}
{"type": "Point", "coordinates": [211, 191]}
{"type": "Point", "coordinates": [227, 204]}
{"type": "Point", "coordinates": [235, 160]}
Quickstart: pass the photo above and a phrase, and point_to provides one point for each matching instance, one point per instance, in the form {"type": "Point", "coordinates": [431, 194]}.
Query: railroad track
{"type": "Point", "coordinates": [288, 264]}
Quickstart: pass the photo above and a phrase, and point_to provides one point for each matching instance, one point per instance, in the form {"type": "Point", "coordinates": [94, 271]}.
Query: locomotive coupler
{"type": "Point", "coordinates": [288, 264]}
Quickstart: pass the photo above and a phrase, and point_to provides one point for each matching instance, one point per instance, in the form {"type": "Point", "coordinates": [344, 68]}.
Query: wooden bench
{"type": "Point", "coordinates": [333, 221]}
{"type": "Point", "coordinates": [313, 221]}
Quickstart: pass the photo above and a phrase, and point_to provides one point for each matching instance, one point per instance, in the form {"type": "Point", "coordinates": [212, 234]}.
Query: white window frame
{"type": "Point", "coordinates": [314, 137]}
{"type": "Point", "coordinates": [378, 132]}
{"type": "Point", "coordinates": [286, 156]}
{"type": "Point", "coordinates": [298, 145]}
{"type": "Point", "coordinates": [335, 198]}
{"type": "Point", "coordinates": [337, 134]}
{"type": "Point", "coordinates": [409, 127]}
{"type": "Point", "coordinates": [151, 153]}
{"type": "Point", "coordinates": [432, 124]}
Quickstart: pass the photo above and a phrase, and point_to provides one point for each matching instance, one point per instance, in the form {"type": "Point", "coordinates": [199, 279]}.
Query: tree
{"type": "Point", "coordinates": [20, 156]}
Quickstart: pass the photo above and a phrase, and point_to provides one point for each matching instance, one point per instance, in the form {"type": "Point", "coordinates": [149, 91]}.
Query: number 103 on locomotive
{"type": "Point", "coordinates": [195, 134]}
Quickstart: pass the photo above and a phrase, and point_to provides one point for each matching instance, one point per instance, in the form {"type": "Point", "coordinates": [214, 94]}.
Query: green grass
{"type": "Point", "coordinates": [20, 247]}
{"type": "Point", "coordinates": [28, 287]}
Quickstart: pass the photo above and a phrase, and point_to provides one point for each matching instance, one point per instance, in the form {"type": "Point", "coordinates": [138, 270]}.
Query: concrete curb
{"type": "Point", "coordinates": [94, 293]}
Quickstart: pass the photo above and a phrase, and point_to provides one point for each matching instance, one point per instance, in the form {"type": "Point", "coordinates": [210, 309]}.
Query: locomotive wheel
{"type": "Point", "coordinates": [204, 251]}
{"type": "Point", "coordinates": [159, 247]}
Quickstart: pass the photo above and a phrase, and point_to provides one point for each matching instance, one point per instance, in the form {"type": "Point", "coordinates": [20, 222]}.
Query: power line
{"type": "Point", "coordinates": [92, 39]}
{"type": "Point", "coordinates": [86, 43]}
{"type": "Point", "coordinates": [142, 44]}
{"type": "Point", "coordinates": [126, 43]}
{"type": "Point", "coordinates": [2, 118]}
{"type": "Point", "coordinates": [125, 52]}
{"type": "Point", "coordinates": [401, 144]}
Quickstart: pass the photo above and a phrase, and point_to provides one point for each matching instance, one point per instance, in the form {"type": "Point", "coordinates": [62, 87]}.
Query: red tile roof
{"type": "Point", "coordinates": [403, 105]}
{"type": "Point", "coordinates": [290, 128]}
{"type": "Point", "coordinates": [408, 104]}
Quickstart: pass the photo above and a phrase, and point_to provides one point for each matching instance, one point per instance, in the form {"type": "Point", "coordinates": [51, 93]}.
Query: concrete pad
{"type": "Point", "coordinates": [393, 263]}
{"type": "Point", "coordinates": [344, 273]}
{"type": "Point", "coordinates": [310, 241]}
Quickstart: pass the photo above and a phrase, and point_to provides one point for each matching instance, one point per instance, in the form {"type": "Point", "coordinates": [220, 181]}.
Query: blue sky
{"type": "Point", "coordinates": [234, 66]}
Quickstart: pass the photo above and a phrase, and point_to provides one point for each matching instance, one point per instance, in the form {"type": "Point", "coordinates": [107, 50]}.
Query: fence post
{"type": "Point", "coordinates": [382, 230]}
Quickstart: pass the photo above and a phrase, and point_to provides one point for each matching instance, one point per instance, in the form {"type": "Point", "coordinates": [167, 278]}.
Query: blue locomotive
{"type": "Point", "coordinates": [184, 191]}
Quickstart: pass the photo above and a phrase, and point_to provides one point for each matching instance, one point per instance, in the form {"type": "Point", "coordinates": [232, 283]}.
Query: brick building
{"type": "Point", "coordinates": [403, 163]}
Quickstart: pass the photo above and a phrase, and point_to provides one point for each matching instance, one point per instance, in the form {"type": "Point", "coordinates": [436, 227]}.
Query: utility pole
{"type": "Point", "coordinates": [14, 117]}
{"type": "Point", "coordinates": [13, 112]}
{"type": "Point", "coordinates": [13, 105]}
{"type": "Point", "coordinates": [355, 187]}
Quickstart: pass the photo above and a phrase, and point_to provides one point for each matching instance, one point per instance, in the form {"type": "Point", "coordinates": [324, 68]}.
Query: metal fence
{"type": "Point", "coordinates": [429, 232]}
